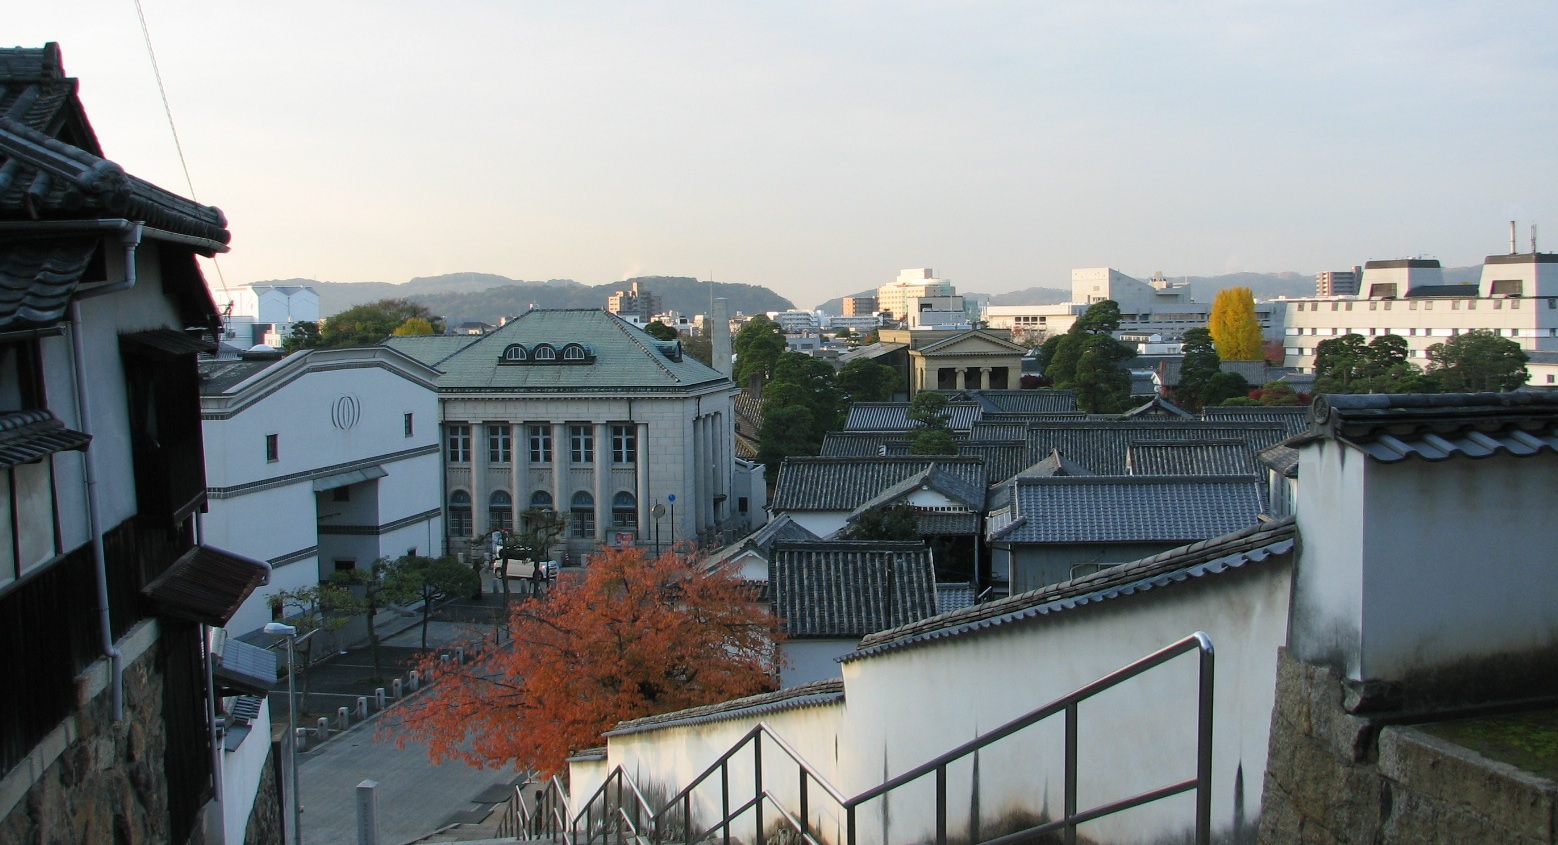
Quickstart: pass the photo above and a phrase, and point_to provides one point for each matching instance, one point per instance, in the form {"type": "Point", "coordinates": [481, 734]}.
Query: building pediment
{"type": "Point", "coordinates": [972, 343]}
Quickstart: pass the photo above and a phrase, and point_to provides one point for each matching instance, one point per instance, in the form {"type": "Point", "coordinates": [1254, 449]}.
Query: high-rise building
{"type": "Point", "coordinates": [1338, 282]}
{"type": "Point", "coordinates": [894, 297]}
{"type": "Point", "coordinates": [636, 301]}
{"type": "Point", "coordinates": [859, 306]}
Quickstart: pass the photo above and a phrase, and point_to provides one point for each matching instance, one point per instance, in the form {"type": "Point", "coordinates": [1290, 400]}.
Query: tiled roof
{"type": "Point", "coordinates": [894, 416]}
{"type": "Point", "coordinates": [38, 276]}
{"type": "Point", "coordinates": [847, 589]}
{"type": "Point", "coordinates": [780, 528]}
{"type": "Point", "coordinates": [995, 431]}
{"type": "Point", "coordinates": [858, 444]}
{"type": "Point", "coordinates": [1003, 458]}
{"type": "Point", "coordinates": [951, 597]}
{"type": "Point", "coordinates": [626, 358]}
{"type": "Point", "coordinates": [1295, 418]}
{"type": "Point", "coordinates": [1394, 427]}
{"type": "Point", "coordinates": [871, 351]}
{"type": "Point", "coordinates": [51, 165]}
{"type": "Point", "coordinates": [1280, 458]}
{"type": "Point", "coordinates": [1024, 401]}
{"type": "Point", "coordinates": [747, 408]}
{"type": "Point", "coordinates": [944, 524]}
{"type": "Point", "coordinates": [206, 585]}
{"type": "Point", "coordinates": [935, 477]}
{"type": "Point", "coordinates": [814, 694]}
{"type": "Point", "coordinates": [1101, 446]}
{"type": "Point", "coordinates": [843, 484]}
{"type": "Point", "coordinates": [1113, 509]}
{"type": "Point", "coordinates": [217, 376]}
{"type": "Point", "coordinates": [1191, 457]}
{"type": "Point", "coordinates": [1053, 465]}
{"type": "Point", "coordinates": [1215, 556]}
{"type": "Point", "coordinates": [429, 349]}
{"type": "Point", "coordinates": [26, 436]}
{"type": "Point", "coordinates": [1142, 384]}
{"type": "Point", "coordinates": [1157, 406]}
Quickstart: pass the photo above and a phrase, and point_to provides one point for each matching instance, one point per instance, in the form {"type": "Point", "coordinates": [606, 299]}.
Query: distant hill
{"type": "Point", "coordinates": [1031, 296]}
{"type": "Point", "coordinates": [459, 297]}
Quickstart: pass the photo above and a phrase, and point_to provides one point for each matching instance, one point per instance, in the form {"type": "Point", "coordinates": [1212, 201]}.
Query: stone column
{"type": "Point", "coordinates": [602, 482]}
{"type": "Point", "coordinates": [984, 378]}
{"type": "Point", "coordinates": [480, 519]}
{"type": "Point", "coordinates": [559, 473]}
{"type": "Point", "coordinates": [962, 376]}
{"type": "Point", "coordinates": [641, 474]}
{"type": "Point", "coordinates": [519, 477]}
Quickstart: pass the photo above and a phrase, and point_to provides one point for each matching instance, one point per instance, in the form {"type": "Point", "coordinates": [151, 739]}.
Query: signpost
{"type": "Point", "coordinates": [657, 511]}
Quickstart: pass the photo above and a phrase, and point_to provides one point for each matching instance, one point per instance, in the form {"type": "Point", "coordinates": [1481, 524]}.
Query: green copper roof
{"type": "Point", "coordinates": [624, 357]}
{"type": "Point", "coordinates": [430, 349]}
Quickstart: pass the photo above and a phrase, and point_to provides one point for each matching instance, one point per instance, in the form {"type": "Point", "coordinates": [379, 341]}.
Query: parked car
{"type": "Point", "coordinates": [524, 569]}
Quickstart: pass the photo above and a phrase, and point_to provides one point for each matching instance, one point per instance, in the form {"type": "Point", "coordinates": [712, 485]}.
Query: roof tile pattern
{"type": "Point", "coordinates": [894, 416]}
{"type": "Point", "coordinates": [1238, 550]}
{"type": "Point", "coordinates": [814, 694]}
{"type": "Point", "coordinates": [1103, 446]}
{"type": "Point", "coordinates": [1024, 401]}
{"type": "Point", "coordinates": [1395, 427]}
{"type": "Point", "coordinates": [1191, 457]}
{"type": "Point", "coordinates": [843, 484]}
{"type": "Point", "coordinates": [26, 436]}
{"type": "Point", "coordinates": [847, 589]}
{"type": "Point", "coordinates": [1111, 509]}
{"type": "Point", "coordinates": [37, 278]}
{"type": "Point", "coordinates": [1295, 418]}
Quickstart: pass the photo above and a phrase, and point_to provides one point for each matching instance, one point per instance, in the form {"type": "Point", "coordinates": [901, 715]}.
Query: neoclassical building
{"type": "Point", "coordinates": [581, 413]}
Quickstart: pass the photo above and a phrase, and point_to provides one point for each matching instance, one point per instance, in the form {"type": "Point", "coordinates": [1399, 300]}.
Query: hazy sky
{"type": "Point", "coordinates": [817, 148]}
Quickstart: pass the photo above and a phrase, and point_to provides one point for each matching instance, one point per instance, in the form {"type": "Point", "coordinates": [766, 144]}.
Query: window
{"type": "Point", "coordinates": [581, 444]}
{"type": "Point", "coordinates": [540, 444]}
{"type": "Point", "coordinates": [410, 427]}
{"type": "Point", "coordinates": [459, 444]}
{"type": "Point", "coordinates": [500, 511]}
{"type": "Point", "coordinates": [624, 511]}
{"type": "Point", "coordinates": [341, 494]}
{"type": "Point", "coordinates": [582, 513]}
{"type": "Point", "coordinates": [500, 449]}
{"type": "Point", "coordinates": [460, 514]}
{"type": "Point", "coordinates": [573, 352]}
{"type": "Point", "coordinates": [540, 501]}
{"type": "Point", "coordinates": [624, 444]}
{"type": "Point", "coordinates": [272, 448]}
{"type": "Point", "coordinates": [545, 352]}
{"type": "Point", "coordinates": [515, 353]}
{"type": "Point", "coordinates": [741, 504]}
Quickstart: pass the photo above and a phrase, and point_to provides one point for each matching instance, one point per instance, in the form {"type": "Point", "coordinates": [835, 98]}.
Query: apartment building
{"type": "Point", "coordinates": [895, 297]}
{"type": "Point", "coordinates": [1156, 306]}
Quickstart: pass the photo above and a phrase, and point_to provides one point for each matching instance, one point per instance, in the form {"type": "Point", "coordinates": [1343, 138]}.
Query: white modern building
{"type": "Point", "coordinates": [262, 313]}
{"type": "Point", "coordinates": [326, 460]}
{"type": "Point", "coordinates": [894, 297]}
{"type": "Point", "coordinates": [796, 321]}
{"type": "Point", "coordinates": [1156, 306]}
{"type": "Point", "coordinates": [580, 413]}
{"type": "Point", "coordinates": [1517, 297]}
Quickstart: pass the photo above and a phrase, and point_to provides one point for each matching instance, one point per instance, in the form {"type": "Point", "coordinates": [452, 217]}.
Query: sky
{"type": "Point", "coordinates": [817, 148]}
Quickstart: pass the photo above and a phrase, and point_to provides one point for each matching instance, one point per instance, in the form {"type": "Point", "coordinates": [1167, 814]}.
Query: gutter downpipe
{"type": "Point", "coordinates": [130, 238]}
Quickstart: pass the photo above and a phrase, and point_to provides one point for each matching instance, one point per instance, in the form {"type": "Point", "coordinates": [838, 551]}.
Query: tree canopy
{"type": "Point", "coordinates": [304, 335]}
{"type": "Point", "coordinates": [801, 404]}
{"type": "Point", "coordinates": [757, 346]}
{"type": "Point", "coordinates": [863, 380]}
{"type": "Point", "coordinates": [1102, 386]}
{"type": "Point", "coordinates": [660, 331]}
{"type": "Point", "coordinates": [1235, 330]}
{"type": "Point", "coordinates": [1196, 371]}
{"type": "Point", "coordinates": [1348, 364]}
{"type": "Point", "coordinates": [428, 580]}
{"type": "Point", "coordinates": [1478, 360]}
{"type": "Point", "coordinates": [638, 636]}
{"type": "Point", "coordinates": [1061, 354]}
{"type": "Point", "coordinates": [366, 325]}
{"type": "Point", "coordinates": [892, 522]}
{"type": "Point", "coordinates": [933, 436]}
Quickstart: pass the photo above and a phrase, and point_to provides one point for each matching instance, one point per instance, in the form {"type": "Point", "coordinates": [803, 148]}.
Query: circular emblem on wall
{"type": "Point", "coordinates": [345, 412]}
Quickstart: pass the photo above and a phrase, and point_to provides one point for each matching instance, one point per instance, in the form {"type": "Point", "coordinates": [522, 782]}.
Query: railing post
{"type": "Point", "coordinates": [941, 805]}
{"type": "Point", "coordinates": [1204, 746]}
{"type": "Point", "coordinates": [849, 822]}
{"type": "Point", "coordinates": [805, 804]}
{"type": "Point", "coordinates": [757, 784]}
{"type": "Point", "coordinates": [687, 819]}
{"type": "Point", "coordinates": [1071, 773]}
{"type": "Point", "coordinates": [724, 797]}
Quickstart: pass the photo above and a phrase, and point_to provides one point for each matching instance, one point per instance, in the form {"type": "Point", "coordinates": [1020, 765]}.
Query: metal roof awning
{"type": "Point", "coordinates": [246, 668]}
{"type": "Point", "coordinates": [168, 342]}
{"type": "Point", "coordinates": [342, 479]}
{"type": "Point", "coordinates": [26, 436]}
{"type": "Point", "coordinates": [206, 585]}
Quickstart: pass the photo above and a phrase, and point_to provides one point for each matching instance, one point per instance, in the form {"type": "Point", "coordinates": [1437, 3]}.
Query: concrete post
{"type": "Point", "coordinates": [367, 813]}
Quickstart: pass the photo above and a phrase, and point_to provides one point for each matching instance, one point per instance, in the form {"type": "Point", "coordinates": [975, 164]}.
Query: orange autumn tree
{"type": "Point", "coordinates": [639, 636]}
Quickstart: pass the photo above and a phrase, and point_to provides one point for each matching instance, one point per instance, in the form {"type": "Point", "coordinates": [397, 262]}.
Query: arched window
{"type": "Point", "coordinates": [516, 352]}
{"type": "Point", "coordinates": [581, 512]}
{"type": "Point", "coordinates": [624, 511]}
{"type": "Point", "coordinates": [460, 514]}
{"type": "Point", "coordinates": [540, 501]}
{"type": "Point", "coordinates": [544, 352]}
{"type": "Point", "coordinates": [500, 511]}
{"type": "Point", "coordinates": [573, 352]}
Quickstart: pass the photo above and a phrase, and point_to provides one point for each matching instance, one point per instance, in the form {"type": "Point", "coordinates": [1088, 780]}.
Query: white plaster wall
{"type": "Point", "coordinates": [241, 772]}
{"type": "Point", "coordinates": [906, 706]}
{"type": "Point", "coordinates": [666, 760]}
{"type": "Point", "coordinates": [1454, 569]}
{"type": "Point", "coordinates": [1531, 322]}
{"type": "Point", "coordinates": [822, 523]}
{"type": "Point", "coordinates": [1328, 587]}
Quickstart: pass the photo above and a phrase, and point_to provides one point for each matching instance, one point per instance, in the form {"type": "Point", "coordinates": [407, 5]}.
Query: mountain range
{"type": "Point", "coordinates": [487, 297]}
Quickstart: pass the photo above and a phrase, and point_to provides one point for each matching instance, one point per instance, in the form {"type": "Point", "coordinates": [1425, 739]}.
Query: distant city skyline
{"type": "Point", "coordinates": [818, 148]}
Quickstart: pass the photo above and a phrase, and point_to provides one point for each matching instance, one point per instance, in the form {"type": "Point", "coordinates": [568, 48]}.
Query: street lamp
{"type": "Point", "coordinates": [277, 629]}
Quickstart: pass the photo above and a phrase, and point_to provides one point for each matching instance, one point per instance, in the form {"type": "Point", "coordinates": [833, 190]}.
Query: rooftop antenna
{"type": "Point", "coordinates": [1511, 237]}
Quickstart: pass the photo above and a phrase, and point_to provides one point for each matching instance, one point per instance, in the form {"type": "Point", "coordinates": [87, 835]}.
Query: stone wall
{"type": "Point", "coordinates": [107, 783]}
{"type": "Point", "coordinates": [1334, 777]}
{"type": "Point", "coordinates": [265, 820]}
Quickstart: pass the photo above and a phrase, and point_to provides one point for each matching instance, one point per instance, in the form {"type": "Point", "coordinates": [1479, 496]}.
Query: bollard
{"type": "Point", "coordinates": [342, 720]}
{"type": "Point", "coordinates": [459, 655]}
{"type": "Point", "coordinates": [395, 690]}
{"type": "Point", "coordinates": [378, 698]}
{"type": "Point", "coordinates": [413, 680]}
{"type": "Point", "coordinates": [324, 729]}
{"type": "Point", "coordinates": [301, 735]}
{"type": "Point", "coordinates": [362, 707]}
{"type": "Point", "coordinates": [443, 659]}
{"type": "Point", "coordinates": [367, 813]}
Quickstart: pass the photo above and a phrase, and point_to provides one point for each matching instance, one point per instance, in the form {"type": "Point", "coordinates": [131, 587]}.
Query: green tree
{"type": "Point", "coordinates": [786, 431]}
{"type": "Point", "coordinates": [415, 327]}
{"type": "Point", "coordinates": [1235, 330]}
{"type": "Point", "coordinates": [1224, 386]}
{"type": "Point", "coordinates": [304, 335]}
{"type": "Point", "coordinates": [367, 589]}
{"type": "Point", "coordinates": [429, 580]}
{"type": "Point", "coordinates": [1060, 355]}
{"type": "Point", "coordinates": [843, 333]}
{"type": "Point", "coordinates": [892, 522]}
{"type": "Point", "coordinates": [1201, 363]}
{"type": "Point", "coordinates": [757, 346]}
{"type": "Point", "coordinates": [323, 608]}
{"type": "Point", "coordinates": [863, 380]}
{"type": "Point", "coordinates": [1478, 360]}
{"type": "Point", "coordinates": [1347, 364]}
{"type": "Point", "coordinates": [699, 347]}
{"type": "Point", "coordinates": [366, 325]}
{"type": "Point", "coordinates": [932, 434]}
{"type": "Point", "coordinates": [1339, 361]}
{"type": "Point", "coordinates": [1101, 385]}
{"type": "Point", "coordinates": [661, 331]}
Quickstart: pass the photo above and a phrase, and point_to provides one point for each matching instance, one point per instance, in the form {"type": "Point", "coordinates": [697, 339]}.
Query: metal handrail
{"type": "Point", "coordinates": [548, 818]}
{"type": "Point", "coordinates": [624, 818]}
{"type": "Point", "coordinates": [1068, 705]}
